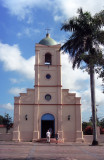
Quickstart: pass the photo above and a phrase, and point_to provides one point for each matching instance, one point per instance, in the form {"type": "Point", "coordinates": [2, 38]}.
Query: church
{"type": "Point", "coordinates": [47, 105]}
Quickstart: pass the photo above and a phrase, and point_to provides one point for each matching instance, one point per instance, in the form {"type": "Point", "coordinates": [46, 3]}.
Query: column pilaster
{"type": "Point", "coordinates": [59, 115]}
{"type": "Point", "coordinates": [36, 129]}
{"type": "Point", "coordinates": [36, 107]}
{"type": "Point", "coordinates": [16, 127]}
{"type": "Point", "coordinates": [79, 133]}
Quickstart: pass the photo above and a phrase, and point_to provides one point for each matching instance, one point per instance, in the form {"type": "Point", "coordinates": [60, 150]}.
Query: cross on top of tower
{"type": "Point", "coordinates": [47, 29]}
{"type": "Point", "coordinates": [47, 34]}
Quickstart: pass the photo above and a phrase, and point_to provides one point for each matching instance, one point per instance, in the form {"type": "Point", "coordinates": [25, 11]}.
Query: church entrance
{"type": "Point", "coordinates": [47, 123]}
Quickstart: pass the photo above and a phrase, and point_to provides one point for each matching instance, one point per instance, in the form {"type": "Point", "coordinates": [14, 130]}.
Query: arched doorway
{"type": "Point", "coordinates": [47, 123]}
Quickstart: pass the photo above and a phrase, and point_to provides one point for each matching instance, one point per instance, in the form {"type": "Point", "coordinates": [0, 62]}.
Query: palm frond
{"type": "Point", "coordinates": [86, 37]}
{"type": "Point", "coordinates": [100, 37]}
{"type": "Point", "coordinates": [99, 18]}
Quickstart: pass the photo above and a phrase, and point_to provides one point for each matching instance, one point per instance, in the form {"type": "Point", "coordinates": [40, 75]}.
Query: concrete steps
{"type": "Point", "coordinates": [44, 140]}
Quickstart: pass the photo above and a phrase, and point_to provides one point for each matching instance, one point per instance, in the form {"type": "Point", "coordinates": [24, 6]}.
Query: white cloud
{"type": "Point", "coordinates": [17, 91]}
{"type": "Point", "coordinates": [23, 8]}
{"type": "Point", "coordinates": [13, 60]}
{"type": "Point", "coordinates": [73, 79]}
{"type": "Point", "coordinates": [99, 97]}
{"type": "Point", "coordinates": [68, 8]}
{"type": "Point", "coordinates": [62, 9]}
{"type": "Point", "coordinates": [19, 34]}
{"type": "Point", "coordinates": [29, 31]}
{"type": "Point", "coordinates": [8, 106]}
{"type": "Point", "coordinates": [15, 81]}
{"type": "Point", "coordinates": [58, 18]}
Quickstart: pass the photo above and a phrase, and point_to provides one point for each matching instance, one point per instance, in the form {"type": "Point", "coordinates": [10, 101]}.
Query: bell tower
{"type": "Point", "coordinates": [48, 93]}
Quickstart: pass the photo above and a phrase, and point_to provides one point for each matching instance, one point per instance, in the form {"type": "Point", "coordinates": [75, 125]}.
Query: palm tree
{"type": "Point", "coordinates": [84, 46]}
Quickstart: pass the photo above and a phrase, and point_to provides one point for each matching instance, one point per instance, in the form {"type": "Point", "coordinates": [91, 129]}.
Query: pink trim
{"type": "Point", "coordinates": [47, 65]}
{"type": "Point", "coordinates": [48, 86]}
{"type": "Point", "coordinates": [44, 104]}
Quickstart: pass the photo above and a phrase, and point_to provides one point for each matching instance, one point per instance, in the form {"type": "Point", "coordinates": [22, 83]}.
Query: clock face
{"type": "Point", "coordinates": [48, 97]}
{"type": "Point", "coordinates": [48, 76]}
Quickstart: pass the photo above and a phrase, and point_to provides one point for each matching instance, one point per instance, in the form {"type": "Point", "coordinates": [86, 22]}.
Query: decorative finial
{"type": "Point", "coordinates": [47, 34]}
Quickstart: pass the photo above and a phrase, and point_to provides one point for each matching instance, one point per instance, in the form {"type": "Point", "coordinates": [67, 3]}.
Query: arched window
{"type": "Point", "coordinates": [48, 59]}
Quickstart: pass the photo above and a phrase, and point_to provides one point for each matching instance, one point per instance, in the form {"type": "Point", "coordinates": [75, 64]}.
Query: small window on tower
{"type": "Point", "coordinates": [48, 59]}
{"type": "Point", "coordinates": [48, 97]}
{"type": "Point", "coordinates": [48, 76]}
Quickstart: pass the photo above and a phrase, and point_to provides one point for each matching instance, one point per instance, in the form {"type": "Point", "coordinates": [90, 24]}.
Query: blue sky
{"type": "Point", "coordinates": [22, 24]}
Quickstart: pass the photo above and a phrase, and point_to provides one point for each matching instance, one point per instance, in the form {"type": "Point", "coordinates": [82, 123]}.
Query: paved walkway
{"type": "Point", "coordinates": [38, 151]}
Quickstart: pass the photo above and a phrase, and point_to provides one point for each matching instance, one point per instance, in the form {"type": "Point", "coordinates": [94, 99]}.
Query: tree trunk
{"type": "Point", "coordinates": [92, 86]}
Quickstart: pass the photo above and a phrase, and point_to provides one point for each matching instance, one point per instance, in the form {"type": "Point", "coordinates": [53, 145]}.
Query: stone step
{"type": "Point", "coordinates": [44, 140]}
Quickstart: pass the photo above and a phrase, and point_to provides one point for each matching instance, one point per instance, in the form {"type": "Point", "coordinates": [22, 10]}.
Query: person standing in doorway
{"type": "Point", "coordinates": [48, 136]}
{"type": "Point", "coordinates": [57, 137]}
{"type": "Point", "coordinates": [50, 130]}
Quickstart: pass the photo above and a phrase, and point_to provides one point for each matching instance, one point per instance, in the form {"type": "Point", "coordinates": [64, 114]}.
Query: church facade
{"type": "Point", "coordinates": [47, 105]}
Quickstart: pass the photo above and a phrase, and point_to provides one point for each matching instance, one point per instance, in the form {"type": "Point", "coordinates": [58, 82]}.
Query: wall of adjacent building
{"type": "Point", "coordinates": [89, 138]}
{"type": "Point", "coordinates": [6, 136]}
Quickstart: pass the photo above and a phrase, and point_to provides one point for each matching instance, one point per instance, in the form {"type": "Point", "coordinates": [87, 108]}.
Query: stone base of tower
{"type": "Point", "coordinates": [16, 136]}
{"type": "Point", "coordinates": [79, 136]}
{"type": "Point", "coordinates": [61, 139]}
{"type": "Point", "coordinates": [35, 136]}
